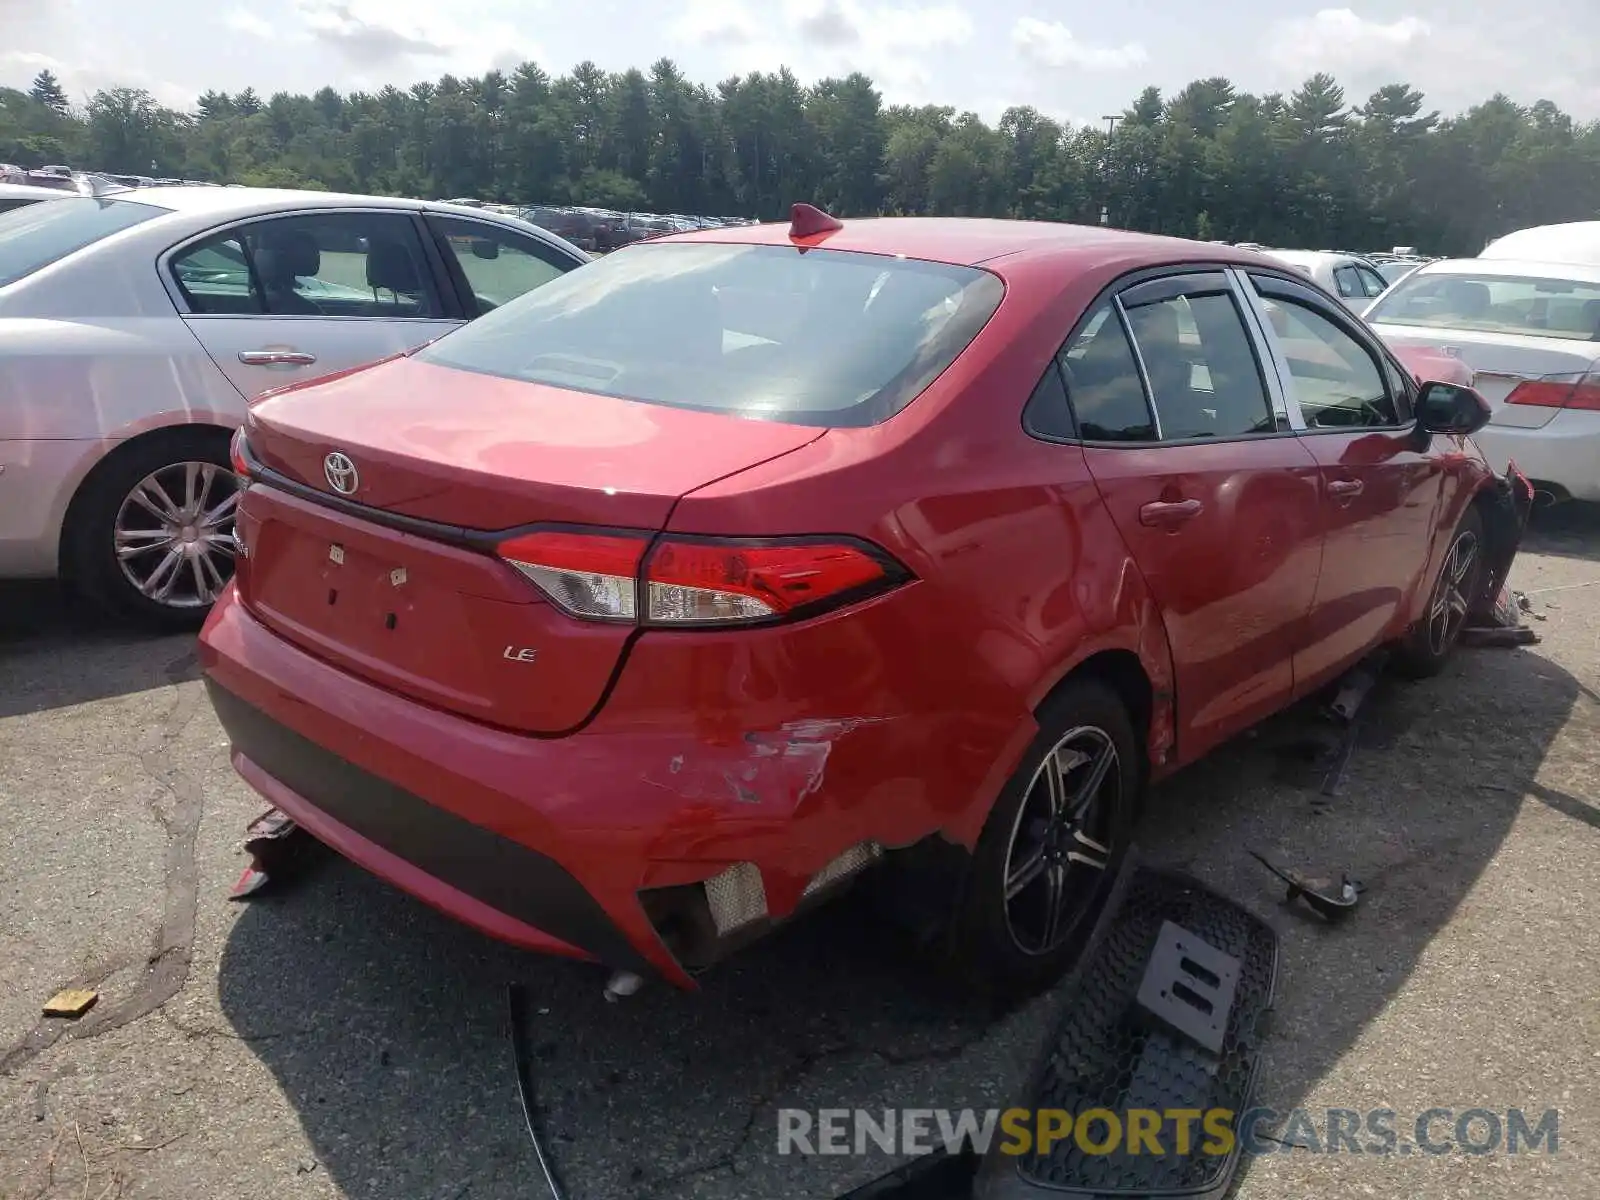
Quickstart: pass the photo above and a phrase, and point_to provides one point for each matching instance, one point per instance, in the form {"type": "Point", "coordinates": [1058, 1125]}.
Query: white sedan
{"type": "Point", "coordinates": [1355, 281]}
{"type": "Point", "coordinates": [1530, 332]}
{"type": "Point", "coordinates": [15, 195]}
{"type": "Point", "coordinates": [136, 324]}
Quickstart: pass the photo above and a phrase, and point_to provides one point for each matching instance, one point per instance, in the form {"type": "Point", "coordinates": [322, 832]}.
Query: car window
{"type": "Point", "coordinates": [313, 265]}
{"type": "Point", "coordinates": [36, 235]}
{"type": "Point", "coordinates": [1103, 384]}
{"type": "Point", "coordinates": [1348, 282]}
{"type": "Point", "coordinates": [1337, 381]}
{"type": "Point", "coordinates": [804, 335]}
{"type": "Point", "coordinates": [1047, 413]}
{"type": "Point", "coordinates": [1536, 306]}
{"type": "Point", "coordinates": [1204, 377]}
{"type": "Point", "coordinates": [1375, 283]}
{"type": "Point", "coordinates": [498, 264]}
{"type": "Point", "coordinates": [215, 277]}
{"type": "Point", "coordinates": [8, 205]}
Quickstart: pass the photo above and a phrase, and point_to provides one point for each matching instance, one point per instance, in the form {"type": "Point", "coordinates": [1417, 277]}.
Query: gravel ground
{"type": "Point", "coordinates": [340, 1040]}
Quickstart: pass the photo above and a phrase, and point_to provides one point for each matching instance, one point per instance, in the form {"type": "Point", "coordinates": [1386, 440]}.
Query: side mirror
{"type": "Point", "coordinates": [1451, 408]}
{"type": "Point", "coordinates": [484, 248]}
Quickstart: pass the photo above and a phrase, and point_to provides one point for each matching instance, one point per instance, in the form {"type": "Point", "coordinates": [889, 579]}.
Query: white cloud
{"type": "Point", "coordinates": [82, 80]}
{"type": "Point", "coordinates": [891, 43]}
{"type": "Point", "coordinates": [1051, 44]}
{"type": "Point", "coordinates": [243, 21]}
{"type": "Point", "coordinates": [1339, 41]}
{"type": "Point", "coordinates": [715, 23]}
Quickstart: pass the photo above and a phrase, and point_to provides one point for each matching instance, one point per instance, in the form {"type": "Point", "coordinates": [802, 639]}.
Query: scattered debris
{"type": "Point", "coordinates": [522, 1060]}
{"type": "Point", "coordinates": [1331, 905]}
{"type": "Point", "coordinates": [273, 841]}
{"type": "Point", "coordinates": [1189, 985]}
{"type": "Point", "coordinates": [1501, 624]}
{"type": "Point", "coordinates": [1355, 686]}
{"type": "Point", "coordinates": [622, 983]}
{"type": "Point", "coordinates": [71, 1003]}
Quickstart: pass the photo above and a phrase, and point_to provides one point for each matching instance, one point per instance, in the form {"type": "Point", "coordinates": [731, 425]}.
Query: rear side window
{"type": "Point", "coordinates": [1103, 383]}
{"type": "Point", "coordinates": [1203, 372]}
{"type": "Point", "coordinates": [36, 235]}
{"type": "Point", "coordinates": [1536, 306]}
{"type": "Point", "coordinates": [811, 337]}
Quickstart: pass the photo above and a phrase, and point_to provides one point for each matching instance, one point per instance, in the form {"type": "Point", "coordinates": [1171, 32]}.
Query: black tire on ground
{"type": "Point", "coordinates": [1451, 595]}
{"type": "Point", "coordinates": [1007, 948]}
{"type": "Point", "coordinates": [90, 563]}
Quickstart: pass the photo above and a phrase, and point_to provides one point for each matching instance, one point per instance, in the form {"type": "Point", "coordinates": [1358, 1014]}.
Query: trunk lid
{"type": "Point", "coordinates": [421, 605]}
{"type": "Point", "coordinates": [1499, 362]}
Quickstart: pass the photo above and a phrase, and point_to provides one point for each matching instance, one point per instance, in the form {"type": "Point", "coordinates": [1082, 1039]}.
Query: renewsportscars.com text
{"type": "Point", "coordinates": [1181, 1131]}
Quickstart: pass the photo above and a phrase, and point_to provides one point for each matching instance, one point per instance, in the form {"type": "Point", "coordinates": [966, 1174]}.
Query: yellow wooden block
{"type": "Point", "coordinates": [70, 1002]}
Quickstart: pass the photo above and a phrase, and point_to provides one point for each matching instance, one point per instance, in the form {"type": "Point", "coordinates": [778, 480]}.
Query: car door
{"type": "Point", "coordinates": [491, 264]}
{"type": "Point", "coordinates": [1380, 486]}
{"type": "Point", "coordinates": [284, 298]}
{"type": "Point", "coordinates": [1196, 458]}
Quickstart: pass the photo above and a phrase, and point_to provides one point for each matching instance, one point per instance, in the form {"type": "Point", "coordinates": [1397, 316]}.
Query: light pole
{"type": "Point", "coordinates": [1111, 120]}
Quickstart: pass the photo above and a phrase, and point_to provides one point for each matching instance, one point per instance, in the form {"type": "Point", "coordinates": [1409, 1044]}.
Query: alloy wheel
{"type": "Point", "coordinates": [1060, 841]}
{"type": "Point", "coordinates": [173, 534]}
{"type": "Point", "coordinates": [1447, 611]}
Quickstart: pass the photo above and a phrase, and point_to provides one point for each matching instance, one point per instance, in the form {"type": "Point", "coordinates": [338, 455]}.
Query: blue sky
{"type": "Point", "coordinates": [1073, 60]}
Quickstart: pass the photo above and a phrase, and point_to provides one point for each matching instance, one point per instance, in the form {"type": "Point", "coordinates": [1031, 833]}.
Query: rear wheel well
{"type": "Point", "coordinates": [1123, 673]}
{"type": "Point", "coordinates": [178, 435]}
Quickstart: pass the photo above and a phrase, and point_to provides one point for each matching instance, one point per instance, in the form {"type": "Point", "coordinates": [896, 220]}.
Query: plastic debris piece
{"type": "Point", "coordinates": [1328, 903]}
{"type": "Point", "coordinates": [71, 1003]}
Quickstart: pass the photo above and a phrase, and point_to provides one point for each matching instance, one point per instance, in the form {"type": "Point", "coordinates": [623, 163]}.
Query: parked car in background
{"type": "Point", "coordinates": [1569, 242]}
{"type": "Point", "coordinates": [1395, 269]}
{"type": "Point", "coordinates": [135, 325]}
{"type": "Point", "coordinates": [1530, 332]}
{"type": "Point", "coordinates": [1353, 279]}
{"type": "Point", "coordinates": [15, 195]}
{"type": "Point", "coordinates": [655, 606]}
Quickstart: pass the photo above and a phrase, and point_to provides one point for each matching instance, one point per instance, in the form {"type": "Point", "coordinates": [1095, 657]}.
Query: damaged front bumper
{"type": "Point", "coordinates": [1505, 521]}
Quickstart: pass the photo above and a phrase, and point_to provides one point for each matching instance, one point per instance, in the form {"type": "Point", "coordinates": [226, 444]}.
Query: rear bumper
{"type": "Point", "coordinates": [558, 844]}
{"type": "Point", "coordinates": [476, 875]}
{"type": "Point", "coordinates": [1565, 451]}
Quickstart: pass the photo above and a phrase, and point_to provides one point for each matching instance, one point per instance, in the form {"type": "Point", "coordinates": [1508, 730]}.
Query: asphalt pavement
{"type": "Point", "coordinates": [338, 1039]}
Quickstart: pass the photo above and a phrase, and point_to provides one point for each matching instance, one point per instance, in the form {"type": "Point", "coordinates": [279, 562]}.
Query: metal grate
{"type": "Point", "coordinates": [1106, 1051]}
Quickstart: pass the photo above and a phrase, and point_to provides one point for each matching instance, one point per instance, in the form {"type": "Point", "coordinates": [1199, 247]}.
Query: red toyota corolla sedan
{"type": "Point", "coordinates": [661, 602]}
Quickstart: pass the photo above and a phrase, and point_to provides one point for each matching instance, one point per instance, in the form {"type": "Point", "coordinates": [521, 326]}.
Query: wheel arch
{"type": "Point", "coordinates": [72, 515]}
{"type": "Point", "coordinates": [1144, 691]}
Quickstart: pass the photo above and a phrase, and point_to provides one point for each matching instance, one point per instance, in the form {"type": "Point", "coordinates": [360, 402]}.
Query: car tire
{"type": "Point", "coordinates": [1429, 645]}
{"type": "Point", "coordinates": [1003, 942]}
{"type": "Point", "coordinates": [117, 537]}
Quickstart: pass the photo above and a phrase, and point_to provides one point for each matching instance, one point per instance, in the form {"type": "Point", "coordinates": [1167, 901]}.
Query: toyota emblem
{"type": "Point", "coordinates": [341, 472]}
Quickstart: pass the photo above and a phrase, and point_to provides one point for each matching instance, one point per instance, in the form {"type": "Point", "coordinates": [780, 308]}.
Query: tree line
{"type": "Point", "coordinates": [1309, 168]}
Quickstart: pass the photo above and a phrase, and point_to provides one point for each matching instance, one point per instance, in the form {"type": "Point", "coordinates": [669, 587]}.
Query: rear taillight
{"type": "Point", "coordinates": [699, 581]}
{"type": "Point", "coordinates": [236, 457]}
{"type": "Point", "coordinates": [1559, 391]}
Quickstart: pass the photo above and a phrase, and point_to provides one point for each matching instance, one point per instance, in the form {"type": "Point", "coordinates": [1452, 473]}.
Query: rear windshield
{"type": "Point", "coordinates": [1540, 307]}
{"type": "Point", "coordinates": [37, 235]}
{"type": "Point", "coordinates": [810, 337]}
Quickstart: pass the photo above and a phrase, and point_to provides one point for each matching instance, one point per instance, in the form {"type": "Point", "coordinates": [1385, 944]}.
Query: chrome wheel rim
{"type": "Point", "coordinates": [173, 535]}
{"type": "Point", "coordinates": [1060, 845]}
{"type": "Point", "coordinates": [1447, 611]}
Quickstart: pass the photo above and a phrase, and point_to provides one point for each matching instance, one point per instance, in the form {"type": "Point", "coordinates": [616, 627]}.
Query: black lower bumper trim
{"type": "Point", "coordinates": [503, 874]}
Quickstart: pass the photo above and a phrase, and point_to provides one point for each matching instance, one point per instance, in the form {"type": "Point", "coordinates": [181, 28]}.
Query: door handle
{"type": "Point", "coordinates": [1168, 512]}
{"type": "Point", "coordinates": [1345, 488]}
{"type": "Point", "coordinates": [277, 358]}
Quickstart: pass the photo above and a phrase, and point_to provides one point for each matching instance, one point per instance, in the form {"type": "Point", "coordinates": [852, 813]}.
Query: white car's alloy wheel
{"type": "Point", "coordinates": [173, 534]}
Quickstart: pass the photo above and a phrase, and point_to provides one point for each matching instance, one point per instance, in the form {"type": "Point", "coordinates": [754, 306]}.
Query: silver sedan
{"type": "Point", "coordinates": [136, 324]}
